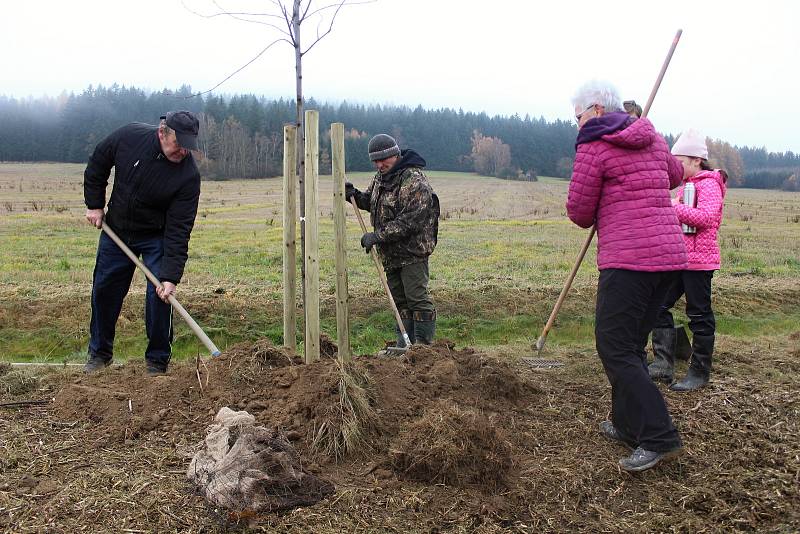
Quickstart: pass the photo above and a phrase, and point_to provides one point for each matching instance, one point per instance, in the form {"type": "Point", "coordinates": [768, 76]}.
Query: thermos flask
{"type": "Point", "coordinates": [689, 200]}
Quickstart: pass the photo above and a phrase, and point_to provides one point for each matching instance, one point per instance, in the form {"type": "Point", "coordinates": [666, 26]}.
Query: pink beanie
{"type": "Point", "coordinates": [691, 143]}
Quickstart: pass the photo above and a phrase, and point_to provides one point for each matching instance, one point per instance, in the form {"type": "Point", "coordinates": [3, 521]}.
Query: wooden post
{"type": "Point", "coordinates": [339, 225]}
{"type": "Point", "coordinates": [289, 238]}
{"type": "Point", "coordinates": [312, 236]}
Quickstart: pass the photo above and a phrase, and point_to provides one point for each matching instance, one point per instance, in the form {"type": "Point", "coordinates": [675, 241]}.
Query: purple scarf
{"type": "Point", "coordinates": [597, 127]}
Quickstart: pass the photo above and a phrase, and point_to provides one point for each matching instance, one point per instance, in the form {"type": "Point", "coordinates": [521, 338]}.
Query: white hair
{"type": "Point", "coordinates": [166, 130]}
{"type": "Point", "coordinates": [597, 92]}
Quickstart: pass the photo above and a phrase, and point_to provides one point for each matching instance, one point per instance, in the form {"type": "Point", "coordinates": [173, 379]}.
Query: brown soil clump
{"type": "Point", "coordinates": [453, 446]}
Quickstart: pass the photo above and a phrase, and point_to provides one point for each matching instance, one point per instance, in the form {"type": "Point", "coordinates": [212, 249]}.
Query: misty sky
{"type": "Point", "coordinates": [734, 75]}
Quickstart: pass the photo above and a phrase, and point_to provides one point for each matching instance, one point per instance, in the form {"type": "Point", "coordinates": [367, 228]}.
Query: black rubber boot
{"type": "Point", "coordinates": [699, 367]}
{"type": "Point", "coordinates": [408, 324]}
{"type": "Point", "coordinates": [424, 326]}
{"type": "Point", "coordinates": [663, 366]}
{"type": "Point", "coordinates": [683, 348]}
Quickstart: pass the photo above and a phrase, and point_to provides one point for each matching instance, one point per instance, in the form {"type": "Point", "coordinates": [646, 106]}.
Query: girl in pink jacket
{"type": "Point", "coordinates": [700, 221]}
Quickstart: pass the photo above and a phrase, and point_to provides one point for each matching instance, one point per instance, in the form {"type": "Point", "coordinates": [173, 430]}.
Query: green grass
{"type": "Point", "coordinates": [505, 249]}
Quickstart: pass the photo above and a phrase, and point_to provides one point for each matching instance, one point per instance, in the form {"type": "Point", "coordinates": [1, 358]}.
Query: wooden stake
{"type": "Point", "coordinates": [311, 252]}
{"type": "Point", "coordinates": [289, 238]}
{"type": "Point", "coordinates": [339, 226]}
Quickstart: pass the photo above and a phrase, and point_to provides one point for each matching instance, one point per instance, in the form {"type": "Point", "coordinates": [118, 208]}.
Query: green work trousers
{"type": "Point", "coordinates": [409, 287]}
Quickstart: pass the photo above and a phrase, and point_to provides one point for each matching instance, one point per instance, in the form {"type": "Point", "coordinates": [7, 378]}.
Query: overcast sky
{"type": "Point", "coordinates": [735, 74]}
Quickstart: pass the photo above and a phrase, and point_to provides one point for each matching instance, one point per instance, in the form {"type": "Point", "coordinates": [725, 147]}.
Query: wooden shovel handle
{"type": "Point", "coordinates": [382, 276]}
{"type": "Point", "coordinates": [172, 300]}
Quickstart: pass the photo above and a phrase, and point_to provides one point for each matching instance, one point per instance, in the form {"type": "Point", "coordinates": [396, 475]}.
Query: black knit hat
{"type": "Point", "coordinates": [382, 146]}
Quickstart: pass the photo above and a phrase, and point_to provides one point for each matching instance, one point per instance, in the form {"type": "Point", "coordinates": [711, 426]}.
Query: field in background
{"type": "Point", "coordinates": [505, 249]}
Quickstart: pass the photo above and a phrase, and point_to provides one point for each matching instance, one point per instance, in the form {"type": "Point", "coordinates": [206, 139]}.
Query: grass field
{"type": "Point", "coordinates": [505, 249]}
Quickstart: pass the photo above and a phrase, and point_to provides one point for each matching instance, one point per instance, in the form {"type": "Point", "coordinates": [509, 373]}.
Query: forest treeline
{"type": "Point", "coordinates": [241, 136]}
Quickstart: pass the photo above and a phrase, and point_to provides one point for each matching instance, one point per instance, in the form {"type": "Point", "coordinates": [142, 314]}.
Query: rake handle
{"type": "Point", "coordinates": [156, 282]}
{"type": "Point", "coordinates": [382, 276]}
{"type": "Point", "coordinates": [565, 289]}
{"type": "Point", "coordinates": [579, 260]}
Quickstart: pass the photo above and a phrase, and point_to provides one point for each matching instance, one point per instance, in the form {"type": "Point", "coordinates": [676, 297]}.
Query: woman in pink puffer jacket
{"type": "Point", "coordinates": [621, 180]}
{"type": "Point", "coordinates": [701, 221]}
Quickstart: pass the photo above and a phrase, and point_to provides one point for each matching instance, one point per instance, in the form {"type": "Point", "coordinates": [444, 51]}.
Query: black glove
{"type": "Point", "coordinates": [369, 240]}
{"type": "Point", "coordinates": [349, 191]}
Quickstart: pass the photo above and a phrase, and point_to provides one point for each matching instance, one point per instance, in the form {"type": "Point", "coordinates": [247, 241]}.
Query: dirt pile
{"type": "Point", "coordinates": [436, 414]}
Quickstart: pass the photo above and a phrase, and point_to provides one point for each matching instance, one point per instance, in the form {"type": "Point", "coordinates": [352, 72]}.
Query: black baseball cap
{"type": "Point", "coordinates": [186, 127]}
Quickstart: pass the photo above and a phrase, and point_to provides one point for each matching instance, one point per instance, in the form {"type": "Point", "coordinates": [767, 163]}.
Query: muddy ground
{"type": "Point", "coordinates": [456, 441]}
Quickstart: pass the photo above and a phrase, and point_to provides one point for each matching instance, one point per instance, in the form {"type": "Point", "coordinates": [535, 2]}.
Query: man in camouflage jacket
{"type": "Point", "coordinates": [404, 212]}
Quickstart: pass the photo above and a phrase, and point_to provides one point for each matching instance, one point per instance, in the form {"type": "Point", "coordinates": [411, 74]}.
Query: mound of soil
{"type": "Point", "coordinates": [451, 402]}
{"type": "Point", "coordinates": [125, 402]}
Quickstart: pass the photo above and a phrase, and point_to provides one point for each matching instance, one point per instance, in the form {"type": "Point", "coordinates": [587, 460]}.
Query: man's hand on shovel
{"type": "Point", "coordinates": [369, 240]}
{"type": "Point", "coordinates": [165, 291]}
{"type": "Point", "coordinates": [95, 217]}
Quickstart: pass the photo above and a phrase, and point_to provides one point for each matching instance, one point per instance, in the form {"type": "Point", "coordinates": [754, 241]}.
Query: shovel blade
{"type": "Point", "coordinates": [539, 345]}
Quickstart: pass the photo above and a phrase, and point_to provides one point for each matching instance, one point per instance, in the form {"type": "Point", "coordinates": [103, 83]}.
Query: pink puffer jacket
{"type": "Point", "coordinates": [702, 247]}
{"type": "Point", "coordinates": [622, 180]}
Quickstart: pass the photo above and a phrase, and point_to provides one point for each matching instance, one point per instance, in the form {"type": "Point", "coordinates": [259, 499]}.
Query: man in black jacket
{"type": "Point", "coordinates": [152, 208]}
{"type": "Point", "coordinates": [404, 211]}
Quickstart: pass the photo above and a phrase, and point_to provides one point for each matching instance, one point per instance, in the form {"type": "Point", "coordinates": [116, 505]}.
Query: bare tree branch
{"type": "Point", "coordinates": [288, 21]}
{"type": "Point", "coordinates": [330, 28]}
{"type": "Point", "coordinates": [237, 16]}
{"type": "Point", "coordinates": [305, 11]}
{"type": "Point", "coordinates": [237, 71]}
{"type": "Point", "coordinates": [346, 2]}
{"type": "Point", "coordinates": [232, 14]}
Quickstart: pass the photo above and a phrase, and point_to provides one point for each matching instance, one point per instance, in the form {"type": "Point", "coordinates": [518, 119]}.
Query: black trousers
{"type": "Point", "coordinates": [696, 285]}
{"type": "Point", "coordinates": [626, 309]}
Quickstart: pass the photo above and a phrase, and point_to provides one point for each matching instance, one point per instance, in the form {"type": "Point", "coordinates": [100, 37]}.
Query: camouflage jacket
{"type": "Point", "coordinates": [404, 212]}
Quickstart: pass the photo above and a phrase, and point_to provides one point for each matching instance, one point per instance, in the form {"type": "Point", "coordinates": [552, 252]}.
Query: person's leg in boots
{"type": "Point", "coordinates": [395, 279]}
{"type": "Point", "coordinates": [626, 307]}
{"type": "Point", "coordinates": [702, 323]}
{"type": "Point", "coordinates": [158, 314]}
{"type": "Point", "coordinates": [415, 282]}
{"type": "Point", "coordinates": [113, 272]}
{"type": "Point", "coordinates": [664, 336]}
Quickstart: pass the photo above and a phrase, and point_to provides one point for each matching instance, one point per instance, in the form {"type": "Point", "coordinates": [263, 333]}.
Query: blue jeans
{"type": "Point", "coordinates": [113, 273]}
